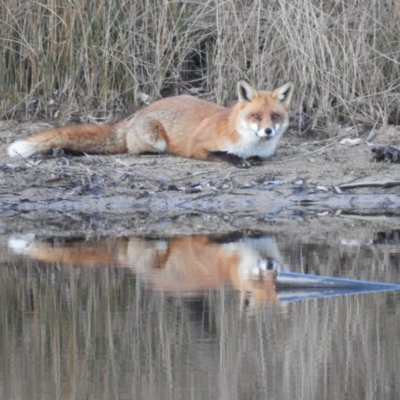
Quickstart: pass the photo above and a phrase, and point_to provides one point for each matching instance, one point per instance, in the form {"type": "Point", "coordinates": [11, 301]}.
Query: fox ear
{"type": "Point", "coordinates": [284, 93]}
{"type": "Point", "coordinates": [246, 92]}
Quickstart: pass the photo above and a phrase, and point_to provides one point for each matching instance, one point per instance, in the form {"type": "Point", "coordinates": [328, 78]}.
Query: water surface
{"type": "Point", "coordinates": [195, 317]}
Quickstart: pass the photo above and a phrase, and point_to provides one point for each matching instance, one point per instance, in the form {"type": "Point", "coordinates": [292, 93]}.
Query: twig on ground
{"type": "Point", "coordinates": [387, 184]}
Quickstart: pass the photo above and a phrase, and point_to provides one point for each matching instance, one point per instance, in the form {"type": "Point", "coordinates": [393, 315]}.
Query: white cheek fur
{"type": "Point", "coordinates": [254, 127]}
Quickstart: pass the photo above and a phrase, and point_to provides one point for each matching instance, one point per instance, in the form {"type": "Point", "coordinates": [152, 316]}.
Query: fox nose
{"type": "Point", "coordinates": [269, 131]}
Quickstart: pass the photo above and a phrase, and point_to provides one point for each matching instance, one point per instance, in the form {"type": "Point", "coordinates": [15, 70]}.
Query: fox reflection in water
{"type": "Point", "coordinates": [186, 266]}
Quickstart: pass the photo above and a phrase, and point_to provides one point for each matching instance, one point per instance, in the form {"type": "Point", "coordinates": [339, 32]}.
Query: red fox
{"type": "Point", "coordinates": [184, 126]}
{"type": "Point", "coordinates": [186, 266]}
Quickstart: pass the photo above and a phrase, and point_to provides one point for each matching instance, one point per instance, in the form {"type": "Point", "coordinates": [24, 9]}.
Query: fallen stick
{"type": "Point", "coordinates": [387, 184]}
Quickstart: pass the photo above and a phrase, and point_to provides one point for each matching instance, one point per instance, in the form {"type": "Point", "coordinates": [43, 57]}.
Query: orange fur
{"type": "Point", "coordinates": [184, 126]}
{"type": "Point", "coordinates": [185, 266]}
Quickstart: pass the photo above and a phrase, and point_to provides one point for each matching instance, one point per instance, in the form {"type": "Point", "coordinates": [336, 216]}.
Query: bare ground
{"type": "Point", "coordinates": [301, 187]}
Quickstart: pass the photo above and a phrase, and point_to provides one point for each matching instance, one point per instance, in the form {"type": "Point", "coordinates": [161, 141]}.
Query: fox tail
{"type": "Point", "coordinates": [94, 139]}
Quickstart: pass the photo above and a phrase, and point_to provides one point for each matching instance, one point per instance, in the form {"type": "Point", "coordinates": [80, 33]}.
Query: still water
{"type": "Point", "coordinates": [197, 317]}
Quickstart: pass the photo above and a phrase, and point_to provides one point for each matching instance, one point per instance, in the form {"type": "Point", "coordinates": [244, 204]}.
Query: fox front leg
{"type": "Point", "coordinates": [237, 161]}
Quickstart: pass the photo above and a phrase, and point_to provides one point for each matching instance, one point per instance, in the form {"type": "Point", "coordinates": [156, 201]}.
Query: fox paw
{"type": "Point", "coordinates": [237, 161]}
{"type": "Point", "coordinates": [242, 163]}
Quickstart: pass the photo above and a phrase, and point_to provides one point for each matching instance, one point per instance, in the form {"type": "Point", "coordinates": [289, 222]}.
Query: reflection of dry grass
{"type": "Point", "coordinates": [71, 59]}
{"type": "Point", "coordinates": [345, 255]}
{"type": "Point", "coordinates": [98, 333]}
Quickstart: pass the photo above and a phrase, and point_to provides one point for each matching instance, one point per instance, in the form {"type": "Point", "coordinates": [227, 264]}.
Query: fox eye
{"type": "Point", "coordinates": [274, 117]}
{"type": "Point", "coordinates": [257, 117]}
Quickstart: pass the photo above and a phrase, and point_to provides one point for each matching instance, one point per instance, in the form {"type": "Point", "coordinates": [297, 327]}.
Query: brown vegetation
{"type": "Point", "coordinates": [96, 61]}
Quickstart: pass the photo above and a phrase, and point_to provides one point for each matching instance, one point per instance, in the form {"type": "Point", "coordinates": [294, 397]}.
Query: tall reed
{"type": "Point", "coordinates": [98, 60]}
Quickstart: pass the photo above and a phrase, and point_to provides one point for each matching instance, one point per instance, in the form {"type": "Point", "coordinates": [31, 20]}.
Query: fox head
{"type": "Point", "coordinates": [255, 275]}
{"type": "Point", "coordinates": [263, 115]}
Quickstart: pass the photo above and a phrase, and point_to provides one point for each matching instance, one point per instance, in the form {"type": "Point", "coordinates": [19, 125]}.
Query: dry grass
{"type": "Point", "coordinates": [98, 60]}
